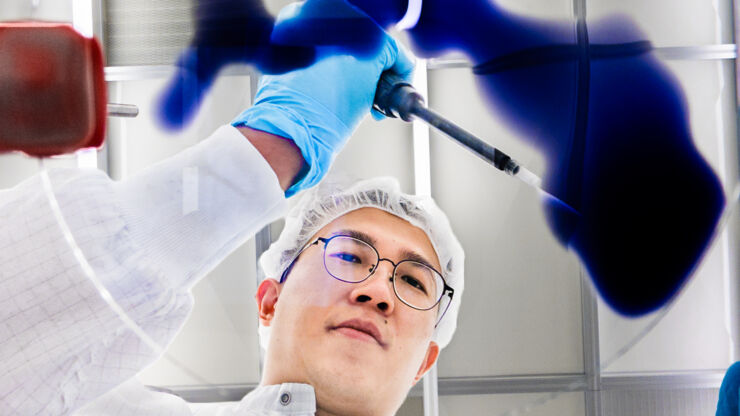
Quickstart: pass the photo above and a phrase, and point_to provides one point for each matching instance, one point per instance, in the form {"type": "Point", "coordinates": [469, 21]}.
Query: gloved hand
{"type": "Point", "coordinates": [320, 106]}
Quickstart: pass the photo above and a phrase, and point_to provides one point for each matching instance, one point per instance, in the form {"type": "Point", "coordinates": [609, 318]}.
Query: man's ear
{"type": "Point", "coordinates": [429, 360]}
{"type": "Point", "coordinates": [267, 297]}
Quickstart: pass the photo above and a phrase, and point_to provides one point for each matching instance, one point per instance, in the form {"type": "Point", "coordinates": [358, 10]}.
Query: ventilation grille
{"type": "Point", "coordinates": [145, 32]}
{"type": "Point", "coordinates": [679, 402]}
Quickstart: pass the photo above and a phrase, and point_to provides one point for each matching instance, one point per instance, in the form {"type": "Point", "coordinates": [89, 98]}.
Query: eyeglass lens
{"type": "Point", "coordinates": [352, 260]}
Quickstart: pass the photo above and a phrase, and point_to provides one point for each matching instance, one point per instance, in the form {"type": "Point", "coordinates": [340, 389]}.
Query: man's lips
{"type": "Point", "coordinates": [362, 326]}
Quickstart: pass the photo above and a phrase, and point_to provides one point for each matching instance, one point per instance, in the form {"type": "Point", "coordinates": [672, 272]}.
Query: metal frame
{"type": "Point", "coordinates": [141, 72]}
{"type": "Point", "coordinates": [735, 288]}
{"type": "Point", "coordinates": [135, 73]}
{"type": "Point", "coordinates": [670, 53]}
{"type": "Point", "coordinates": [540, 383]}
{"type": "Point", "coordinates": [591, 350]}
{"type": "Point", "coordinates": [262, 241]}
{"type": "Point", "coordinates": [423, 186]}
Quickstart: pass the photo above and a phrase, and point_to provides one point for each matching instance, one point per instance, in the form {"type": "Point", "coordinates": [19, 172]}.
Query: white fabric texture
{"type": "Point", "coordinates": [149, 239]}
{"type": "Point", "coordinates": [333, 198]}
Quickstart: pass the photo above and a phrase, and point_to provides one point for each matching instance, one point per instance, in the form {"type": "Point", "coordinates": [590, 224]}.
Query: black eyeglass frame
{"type": "Point", "coordinates": [447, 289]}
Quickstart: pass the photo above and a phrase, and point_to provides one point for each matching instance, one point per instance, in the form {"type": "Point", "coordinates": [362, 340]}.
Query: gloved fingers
{"type": "Point", "coordinates": [404, 62]}
{"type": "Point", "coordinates": [398, 60]}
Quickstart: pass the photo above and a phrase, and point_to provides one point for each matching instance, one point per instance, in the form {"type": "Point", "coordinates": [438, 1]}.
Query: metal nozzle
{"type": "Point", "coordinates": [122, 110]}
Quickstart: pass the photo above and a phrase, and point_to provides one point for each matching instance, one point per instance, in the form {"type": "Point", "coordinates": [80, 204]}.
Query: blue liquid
{"type": "Point", "coordinates": [242, 31]}
{"type": "Point", "coordinates": [638, 202]}
{"type": "Point", "coordinates": [612, 123]}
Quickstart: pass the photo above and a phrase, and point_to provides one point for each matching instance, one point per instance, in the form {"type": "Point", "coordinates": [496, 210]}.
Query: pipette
{"type": "Point", "coordinates": [395, 97]}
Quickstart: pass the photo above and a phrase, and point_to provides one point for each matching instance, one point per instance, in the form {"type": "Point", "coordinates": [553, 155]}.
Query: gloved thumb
{"type": "Point", "coordinates": [399, 61]}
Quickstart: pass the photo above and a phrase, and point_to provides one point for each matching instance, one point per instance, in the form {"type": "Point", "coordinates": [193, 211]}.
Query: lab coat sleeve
{"type": "Point", "coordinates": [149, 239]}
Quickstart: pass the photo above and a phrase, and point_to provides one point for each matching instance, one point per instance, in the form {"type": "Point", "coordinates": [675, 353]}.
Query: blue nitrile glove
{"type": "Point", "coordinates": [320, 106]}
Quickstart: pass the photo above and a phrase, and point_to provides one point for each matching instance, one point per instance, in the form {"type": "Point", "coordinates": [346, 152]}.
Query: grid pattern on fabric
{"type": "Point", "coordinates": [61, 343]}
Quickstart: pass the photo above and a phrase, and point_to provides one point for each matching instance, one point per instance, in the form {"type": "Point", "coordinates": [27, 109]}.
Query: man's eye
{"type": "Point", "coordinates": [348, 257]}
{"type": "Point", "coordinates": [416, 284]}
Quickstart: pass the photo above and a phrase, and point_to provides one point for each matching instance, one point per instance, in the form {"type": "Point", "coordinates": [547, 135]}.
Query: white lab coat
{"type": "Point", "coordinates": [149, 239]}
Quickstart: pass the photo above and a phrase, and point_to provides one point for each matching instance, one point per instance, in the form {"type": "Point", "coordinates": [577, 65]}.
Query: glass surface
{"type": "Point", "coordinates": [219, 340]}
{"type": "Point", "coordinates": [541, 9]}
{"type": "Point", "coordinates": [694, 332]}
{"type": "Point", "coordinates": [666, 23]}
{"type": "Point", "coordinates": [521, 308]}
{"type": "Point", "coordinates": [378, 149]}
{"type": "Point", "coordinates": [523, 305]}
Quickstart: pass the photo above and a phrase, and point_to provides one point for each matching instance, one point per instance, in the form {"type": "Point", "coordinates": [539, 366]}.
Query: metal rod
{"type": "Point", "coordinates": [591, 346]}
{"type": "Point", "coordinates": [431, 392]}
{"type": "Point", "coordinates": [122, 110]}
{"type": "Point", "coordinates": [484, 150]}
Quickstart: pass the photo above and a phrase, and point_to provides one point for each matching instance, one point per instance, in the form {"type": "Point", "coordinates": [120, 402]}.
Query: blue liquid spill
{"type": "Point", "coordinates": [613, 125]}
{"type": "Point", "coordinates": [610, 119]}
{"type": "Point", "coordinates": [242, 31]}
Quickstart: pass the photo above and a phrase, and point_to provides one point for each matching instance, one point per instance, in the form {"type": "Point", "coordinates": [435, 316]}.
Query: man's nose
{"type": "Point", "coordinates": [377, 290]}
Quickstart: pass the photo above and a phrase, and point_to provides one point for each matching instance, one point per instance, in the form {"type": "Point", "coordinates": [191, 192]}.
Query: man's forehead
{"type": "Point", "coordinates": [365, 224]}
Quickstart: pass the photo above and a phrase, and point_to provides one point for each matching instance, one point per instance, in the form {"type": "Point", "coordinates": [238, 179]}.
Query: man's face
{"type": "Point", "coordinates": [311, 340]}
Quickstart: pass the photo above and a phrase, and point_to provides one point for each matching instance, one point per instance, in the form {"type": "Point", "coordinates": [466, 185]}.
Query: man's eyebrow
{"type": "Point", "coordinates": [356, 234]}
{"type": "Point", "coordinates": [414, 256]}
{"type": "Point", "coordinates": [405, 254]}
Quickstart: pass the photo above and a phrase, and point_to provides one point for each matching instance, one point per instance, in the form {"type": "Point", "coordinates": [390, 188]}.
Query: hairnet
{"type": "Point", "coordinates": [331, 199]}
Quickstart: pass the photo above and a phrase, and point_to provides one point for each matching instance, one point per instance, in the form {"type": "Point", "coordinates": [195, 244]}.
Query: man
{"type": "Point", "coordinates": [96, 274]}
{"type": "Point", "coordinates": [356, 313]}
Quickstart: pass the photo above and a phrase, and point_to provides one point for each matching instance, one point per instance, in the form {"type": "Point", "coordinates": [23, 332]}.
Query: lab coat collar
{"type": "Point", "coordinates": [294, 399]}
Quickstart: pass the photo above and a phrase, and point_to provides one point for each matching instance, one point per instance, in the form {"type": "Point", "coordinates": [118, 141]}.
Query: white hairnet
{"type": "Point", "coordinates": [330, 200]}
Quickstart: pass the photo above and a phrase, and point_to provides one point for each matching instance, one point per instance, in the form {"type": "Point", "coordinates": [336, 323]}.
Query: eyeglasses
{"type": "Point", "coordinates": [353, 261]}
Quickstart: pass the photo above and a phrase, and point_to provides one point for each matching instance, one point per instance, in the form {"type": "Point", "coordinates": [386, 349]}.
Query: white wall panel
{"type": "Point", "coordinates": [53, 10]}
{"type": "Point", "coordinates": [139, 142]}
{"type": "Point", "coordinates": [543, 9]}
{"type": "Point", "coordinates": [382, 148]}
{"type": "Point", "coordinates": [521, 310]}
{"type": "Point", "coordinates": [668, 22]}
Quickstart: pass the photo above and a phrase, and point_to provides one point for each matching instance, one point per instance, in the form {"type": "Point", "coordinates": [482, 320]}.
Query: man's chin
{"type": "Point", "coordinates": [348, 393]}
